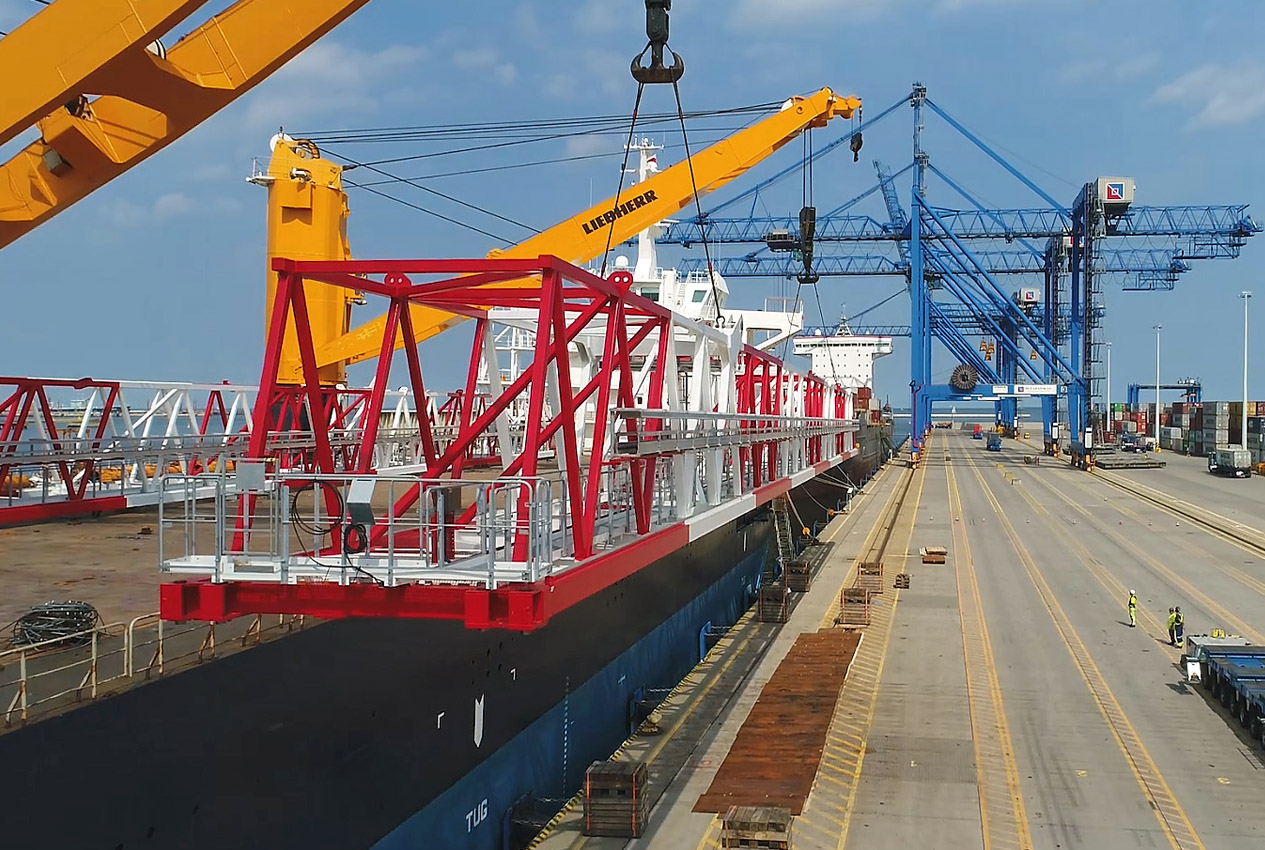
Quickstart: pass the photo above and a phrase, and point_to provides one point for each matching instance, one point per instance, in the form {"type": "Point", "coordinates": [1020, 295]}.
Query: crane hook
{"type": "Point", "coordinates": [657, 32]}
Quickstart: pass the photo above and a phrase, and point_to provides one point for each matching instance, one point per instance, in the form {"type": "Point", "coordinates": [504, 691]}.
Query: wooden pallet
{"type": "Point", "coordinates": [756, 826]}
{"type": "Point", "coordinates": [902, 581]}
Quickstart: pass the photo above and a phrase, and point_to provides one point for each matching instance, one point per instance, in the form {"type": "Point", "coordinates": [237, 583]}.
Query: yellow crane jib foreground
{"type": "Point", "coordinates": [149, 95]}
{"type": "Point", "coordinates": [586, 235]}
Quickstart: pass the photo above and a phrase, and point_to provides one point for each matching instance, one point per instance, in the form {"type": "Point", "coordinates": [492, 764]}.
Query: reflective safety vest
{"type": "Point", "coordinates": [1178, 621]}
{"type": "Point", "coordinates": [1133, 601]}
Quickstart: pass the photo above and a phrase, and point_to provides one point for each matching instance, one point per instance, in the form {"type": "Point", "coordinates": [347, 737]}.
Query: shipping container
{"type": "Point", "coordinates": [1231, 461]}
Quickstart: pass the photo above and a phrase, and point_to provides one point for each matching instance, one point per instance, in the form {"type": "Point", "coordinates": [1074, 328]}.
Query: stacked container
{"type": "Point", "coordinates": [1255, 431]}
{"type": "Point", "coordinates": [1216, 425]}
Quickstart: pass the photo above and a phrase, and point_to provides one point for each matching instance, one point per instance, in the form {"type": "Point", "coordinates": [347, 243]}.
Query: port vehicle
{"type": "Point", "coordinates": [978, 433]}
{"type": "Point", "coordinates": [994, 443]}
{"type": "Point", "coordinates": [1236, 462]}
{"type": "Point", "coordinates": [1233, 670]}
{"type": "Point", "coordinates": [1139, 443]}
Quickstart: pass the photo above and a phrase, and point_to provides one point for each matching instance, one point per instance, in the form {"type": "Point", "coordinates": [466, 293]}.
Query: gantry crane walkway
{"type": "Point", "coordinates": [1002, 699]}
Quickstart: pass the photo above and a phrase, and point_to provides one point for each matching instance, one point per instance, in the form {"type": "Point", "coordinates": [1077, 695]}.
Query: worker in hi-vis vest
{"type": "Point", "coordinates": [1179, 626]}
{"type": "Point", "coordinates": [1172, 627]}
{"type": "Point", "coordinates": [1133, 608]}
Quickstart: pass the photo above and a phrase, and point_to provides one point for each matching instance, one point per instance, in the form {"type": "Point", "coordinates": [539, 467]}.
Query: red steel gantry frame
{"type": "Point", "coordinates": [772, 447]}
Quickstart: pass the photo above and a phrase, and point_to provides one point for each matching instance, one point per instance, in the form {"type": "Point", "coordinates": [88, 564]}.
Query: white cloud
{"type": "Point", "coordinates": [596, 16]}
{"type": "Point", "coordinates": [333, 80]}
{"type": "Point", "coordinates": [959, 5]}
{"type": "Point", "coordinates": [121, 212]}
{"type": "Point", "coordinates": [1100, 69]}
{"type": "Point", "coordinates": [586, 145]}
{"type": "Point", "coordinates": [1138, 65]}
{"type": "Point", "coordinates": [762, 15]}
{"type": "Point", "coordinates": [212, 173]}
{"type": "Point", "coordinates": [171, 205]}
{"type": "Point", "coordinates": [476, 58]}
{"type": "Point", "coordinates": [485, 59]}
{"type": "Point", "coordinates": [226, 206]}
{"type": "Point", "coordinates": [1217, 95]}
{"type": "Point", "coordinates": [527, 25]}
{"type": "Point", "coordinates": [838, 14]}
{"type": "Point", "coordinates": [593, 71]}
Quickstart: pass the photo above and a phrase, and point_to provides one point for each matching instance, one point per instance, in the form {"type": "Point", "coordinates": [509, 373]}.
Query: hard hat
{"type": "Point", "coordinates": [1132, 592]}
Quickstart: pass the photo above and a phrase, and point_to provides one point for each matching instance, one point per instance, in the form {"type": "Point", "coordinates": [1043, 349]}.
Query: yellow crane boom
{"type": "Point", "coordinates": [149, 95]}
{"type": "Point", "coordinates": [585, 236]}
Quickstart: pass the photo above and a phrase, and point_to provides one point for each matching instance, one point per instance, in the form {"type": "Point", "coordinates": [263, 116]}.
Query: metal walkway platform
{"type": "Point", "coordinates": [1002, 699]}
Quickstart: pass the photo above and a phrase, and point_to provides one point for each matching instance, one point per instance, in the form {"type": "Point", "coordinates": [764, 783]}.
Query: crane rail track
{"type": "Point", "coordinates": [891, 513]}
{"type": "Point", "coordinates": [1244, 536]}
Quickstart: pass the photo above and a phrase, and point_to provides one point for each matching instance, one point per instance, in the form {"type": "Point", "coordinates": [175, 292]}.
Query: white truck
{"type": "Point", "coordinates": [1231, 461]}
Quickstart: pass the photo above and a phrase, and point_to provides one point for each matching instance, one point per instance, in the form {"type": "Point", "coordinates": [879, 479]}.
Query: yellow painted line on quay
{"type": "Point", "coordinates": [1003, 816]}
{"type": "Point", "coordinates": [845, 740]}
{"type": "Point", "coordinates": [1239, 624]}
{"type": "Point", "coordinates": [711, 837]}
{"type": "Point", "coordinates": [1172, 817]}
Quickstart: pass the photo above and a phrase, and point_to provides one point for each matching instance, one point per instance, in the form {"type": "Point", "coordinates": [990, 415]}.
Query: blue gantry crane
{"type": "Point", "coordinates": [961, 254]}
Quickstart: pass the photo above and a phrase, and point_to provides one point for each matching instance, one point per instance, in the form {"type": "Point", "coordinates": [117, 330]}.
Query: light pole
{"type": "Point", "coordinates": [1111, 419]}
{"type": "Point", "coordinates": [1246, 296]}
{"type": "Point", "coordinates": [1157, 387]}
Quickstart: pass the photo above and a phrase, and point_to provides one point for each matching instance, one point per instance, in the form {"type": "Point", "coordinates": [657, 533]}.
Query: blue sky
{"type": "Point", "coordinates": [160, 274]}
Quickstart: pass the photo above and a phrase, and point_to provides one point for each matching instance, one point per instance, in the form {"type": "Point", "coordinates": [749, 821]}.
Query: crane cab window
{"type": "Point", "coordinates": [651, 293]}
{"type": "Point", "coordinates": [699, 295]}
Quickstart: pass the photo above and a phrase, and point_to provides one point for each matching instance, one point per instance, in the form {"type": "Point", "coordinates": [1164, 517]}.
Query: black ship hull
{"type": "Point", "coordinates": [348, 734]}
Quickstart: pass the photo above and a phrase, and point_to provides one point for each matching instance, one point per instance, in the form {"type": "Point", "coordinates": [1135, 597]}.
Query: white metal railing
{"type": "Point", "coordinates": [677, 431]}
{"type": "Point", "coordinates": [342, 528]}
{"type": "Point", "coordinates": [45, 677]}
{"type": "Point", "coordinates": [295, 527]}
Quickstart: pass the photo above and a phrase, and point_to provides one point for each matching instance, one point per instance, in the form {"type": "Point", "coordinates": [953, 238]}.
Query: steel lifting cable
{"type": "Point", "coordinates": [623, 169]}
{"type": "Point", "coordinates": [698, 204]}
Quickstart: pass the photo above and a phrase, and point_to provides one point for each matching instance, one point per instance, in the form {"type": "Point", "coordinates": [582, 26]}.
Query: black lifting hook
{"type": "Point", "coordinates": [657, 32]}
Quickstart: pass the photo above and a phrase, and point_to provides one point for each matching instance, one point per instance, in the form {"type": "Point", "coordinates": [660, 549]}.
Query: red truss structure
{"type": "Point", "coordinates": [565, 302]}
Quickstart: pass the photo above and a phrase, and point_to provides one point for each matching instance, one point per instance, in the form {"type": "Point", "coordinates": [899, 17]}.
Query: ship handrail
{"type": "Point", "coordinates": [61, 673]}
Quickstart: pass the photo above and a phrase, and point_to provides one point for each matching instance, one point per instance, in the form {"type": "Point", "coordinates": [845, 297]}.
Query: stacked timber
{"type": "Point", "coordinates": [756, 826]}
{"type": "Point", "coordinates": [934, 554]}
{"type": "Point", "coordinates": [615, 801]}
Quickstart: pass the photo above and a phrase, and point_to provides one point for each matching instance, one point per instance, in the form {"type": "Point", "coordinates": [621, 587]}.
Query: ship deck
{"type": "Point", "coordinates": [110, 561]}
{"type": "Point", "coordinates": [1002, 700]}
